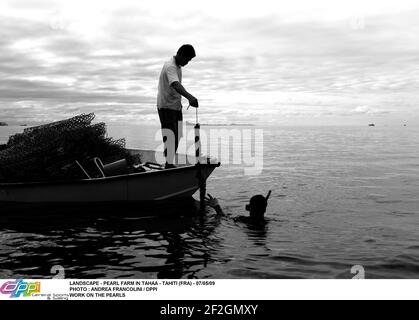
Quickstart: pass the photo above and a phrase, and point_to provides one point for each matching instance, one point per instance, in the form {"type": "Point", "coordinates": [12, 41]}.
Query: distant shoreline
{"type": "Point", "coordinates": [188, 123]}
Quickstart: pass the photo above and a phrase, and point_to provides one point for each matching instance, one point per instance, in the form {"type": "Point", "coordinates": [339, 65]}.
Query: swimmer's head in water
{"type": "Point", "coordinates": [257, 206]}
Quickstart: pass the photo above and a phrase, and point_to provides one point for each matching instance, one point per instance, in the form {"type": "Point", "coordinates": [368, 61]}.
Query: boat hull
{"type": "Point", "coordinates": [176, 183]}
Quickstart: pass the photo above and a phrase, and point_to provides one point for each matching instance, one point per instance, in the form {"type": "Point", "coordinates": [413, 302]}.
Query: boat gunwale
{"type": "Point", "coordinates": [105, 179]}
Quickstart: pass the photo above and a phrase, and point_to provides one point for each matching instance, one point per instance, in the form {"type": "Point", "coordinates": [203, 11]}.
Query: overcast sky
{"type": "Point", "coordinates": [275, 62]}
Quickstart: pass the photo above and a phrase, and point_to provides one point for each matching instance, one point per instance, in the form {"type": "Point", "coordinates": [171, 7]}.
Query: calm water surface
{"type": "Point", "coordinates": [341, 197]}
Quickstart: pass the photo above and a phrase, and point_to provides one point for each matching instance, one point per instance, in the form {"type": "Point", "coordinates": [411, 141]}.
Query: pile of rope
{"type": "Point", "coordinates": [49, 152]}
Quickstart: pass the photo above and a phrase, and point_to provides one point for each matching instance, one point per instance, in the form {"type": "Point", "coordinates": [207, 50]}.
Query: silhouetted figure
{"type": "Point", "coordinates": [256, 207]}
{"type": "Point", "coordinates": [169, 106]}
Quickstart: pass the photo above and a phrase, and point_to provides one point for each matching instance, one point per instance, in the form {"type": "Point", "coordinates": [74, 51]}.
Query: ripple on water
{"type": "Point", "coordinates": [334, 204]}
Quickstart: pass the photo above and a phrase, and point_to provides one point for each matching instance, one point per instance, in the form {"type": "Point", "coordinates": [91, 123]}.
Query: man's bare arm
{"type": "Point", "coordinates": [182, 91]}
{"type": "Point", "coordinates": [213, 203]}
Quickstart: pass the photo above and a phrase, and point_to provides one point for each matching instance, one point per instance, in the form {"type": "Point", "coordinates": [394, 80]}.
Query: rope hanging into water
{"type": "Point", "coordinates": [197, 138]}
{"type": "Point", "coordinates": [201, 180]}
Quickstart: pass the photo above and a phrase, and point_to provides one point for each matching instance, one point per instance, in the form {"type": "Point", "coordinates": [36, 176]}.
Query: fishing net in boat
{"type": "Point", "coordinates": [50, 152]}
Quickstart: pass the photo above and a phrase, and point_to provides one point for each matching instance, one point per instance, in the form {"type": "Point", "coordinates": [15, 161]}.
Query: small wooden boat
{"type": "Point", "coordinates": [153, 185]}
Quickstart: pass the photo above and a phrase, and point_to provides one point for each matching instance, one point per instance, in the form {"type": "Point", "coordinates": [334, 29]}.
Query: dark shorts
{"type": "Point", "coordinates": [172, 119]}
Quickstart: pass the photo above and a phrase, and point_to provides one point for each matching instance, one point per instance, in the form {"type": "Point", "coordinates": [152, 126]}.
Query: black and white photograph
{"type": "Point", "coordinates": [192, 141]}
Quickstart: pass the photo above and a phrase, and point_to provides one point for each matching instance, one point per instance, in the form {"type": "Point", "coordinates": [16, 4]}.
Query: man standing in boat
{"type": "Point", "coordinates": [169, 106]}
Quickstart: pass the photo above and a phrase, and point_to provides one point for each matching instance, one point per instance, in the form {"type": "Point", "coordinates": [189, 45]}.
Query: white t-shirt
{"type": "Point", "coordinates": [167, 97]}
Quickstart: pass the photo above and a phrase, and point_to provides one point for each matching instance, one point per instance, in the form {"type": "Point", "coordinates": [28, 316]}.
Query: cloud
{"type": "Point", "coordinates": [371, 111]}
{"type": "Point", "coordinates": [259, 63]}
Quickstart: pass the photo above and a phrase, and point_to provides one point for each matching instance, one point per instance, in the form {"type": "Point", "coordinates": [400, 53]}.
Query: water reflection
{"type": "Point", "coordinates": [256, 231]}
{"type": "Point", "coordinates": [117, 245]}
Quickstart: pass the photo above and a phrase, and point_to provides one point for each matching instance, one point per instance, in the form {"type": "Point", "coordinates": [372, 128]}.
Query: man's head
{"type": "Point", "coordinates": [185, 54]}
{"type": "Point", "coordinates": [257, 206]}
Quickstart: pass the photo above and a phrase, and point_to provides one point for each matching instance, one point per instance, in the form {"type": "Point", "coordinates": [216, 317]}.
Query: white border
{"type": "Point", "coordinates": [186, 289]}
